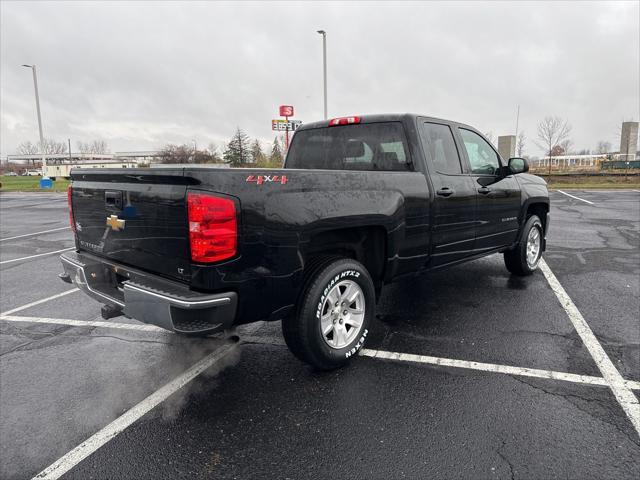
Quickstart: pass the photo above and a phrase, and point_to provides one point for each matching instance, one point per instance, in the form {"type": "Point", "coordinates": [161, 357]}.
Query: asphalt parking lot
{"type": "Point", "coordinates": [469, 373]}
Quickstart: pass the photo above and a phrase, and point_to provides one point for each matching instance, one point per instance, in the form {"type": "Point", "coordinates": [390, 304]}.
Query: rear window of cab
{"type": "Point", "coordinates": [366, 146]}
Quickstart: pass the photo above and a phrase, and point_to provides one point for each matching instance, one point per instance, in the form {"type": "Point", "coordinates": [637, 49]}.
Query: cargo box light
{"type": "Point", "coordinates": [344, 121]}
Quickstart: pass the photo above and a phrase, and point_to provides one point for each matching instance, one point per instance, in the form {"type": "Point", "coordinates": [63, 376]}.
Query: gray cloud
{"type": "Point", "coordinates": [143, 74]}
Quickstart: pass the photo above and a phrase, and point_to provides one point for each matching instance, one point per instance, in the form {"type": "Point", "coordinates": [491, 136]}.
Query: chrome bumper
{"type": "Point", "coordinates": [149, 298]}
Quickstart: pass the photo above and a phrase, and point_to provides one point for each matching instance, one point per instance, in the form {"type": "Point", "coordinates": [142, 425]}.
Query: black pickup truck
{"type": "Point", "coordinates": [360, 202]}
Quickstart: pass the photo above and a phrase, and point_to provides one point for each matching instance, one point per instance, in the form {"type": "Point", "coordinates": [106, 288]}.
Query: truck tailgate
{"type": "Point", "coordinates": [138, 219]}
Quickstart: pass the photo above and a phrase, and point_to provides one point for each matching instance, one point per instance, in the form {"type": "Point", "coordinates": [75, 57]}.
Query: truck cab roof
{"type": "Point", "coordinates": [383, 117]}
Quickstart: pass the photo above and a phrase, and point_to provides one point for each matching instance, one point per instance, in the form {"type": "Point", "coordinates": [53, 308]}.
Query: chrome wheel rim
{"type": "Point", "coordinates": [534, 241]}
{"type": "Point", "coordinates": [342, 314]}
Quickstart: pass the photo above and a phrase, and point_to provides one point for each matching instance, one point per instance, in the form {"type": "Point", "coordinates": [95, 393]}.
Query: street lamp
{"type": "Point", "coordinates": [35, 86]}
{"type": "Point", "coordinates": [324, 67]}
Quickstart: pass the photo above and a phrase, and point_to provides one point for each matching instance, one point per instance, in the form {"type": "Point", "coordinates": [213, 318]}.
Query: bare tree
{"type": "Point", "coordinates": [50, 147]}
{"type": "Point", "coordinates": [214, 153]}
{"type": "Point", "coordinates": [53, 147]}
{"type": "Point", "coordinates": [96, 146]}
{"type": "Point", "coordinates": [552, 131]}
{"type": "Point", "coordinates": [99, 146]}
{"type": "Point", "coordinates": [603, 147]}
{"type": "Point", "coordinates": [566, 146]}
{"type": "Point", "coordinates": [27, 148]}
{"type": "Point", "coordinates": [186, 153]}
{"type": "Point", "coordinates": [520, 143]}
{"type": "Point", "coordinates": [177, 153]}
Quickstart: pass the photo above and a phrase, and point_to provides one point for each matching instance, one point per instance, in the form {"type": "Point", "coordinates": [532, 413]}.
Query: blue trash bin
{"type": "Point", "coordinates": [46, 182]}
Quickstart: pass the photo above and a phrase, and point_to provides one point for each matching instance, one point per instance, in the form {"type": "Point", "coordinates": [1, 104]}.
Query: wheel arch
{"type": "Point", "coordinates": [366, 244]}
{"type": "Point", "coordinates": [534, 206]}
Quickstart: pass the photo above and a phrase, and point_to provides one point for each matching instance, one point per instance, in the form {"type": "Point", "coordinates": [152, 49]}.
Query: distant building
{"type": "Point", "coordinates": [60, 165]}
{"type": "Point", "coordinates": [571, 161]}
{"type": "Point", "coordinates": [628, 141]}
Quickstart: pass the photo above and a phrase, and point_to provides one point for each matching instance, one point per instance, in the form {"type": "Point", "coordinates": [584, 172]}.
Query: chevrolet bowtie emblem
{"type": "Point", "coordinates": [115, 223]}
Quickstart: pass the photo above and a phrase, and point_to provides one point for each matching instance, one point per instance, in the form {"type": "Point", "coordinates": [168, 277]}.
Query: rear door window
{"type": "Point", "coordinates": [441, 147]}
{"type": "Point", "coordinates": [367, 146]}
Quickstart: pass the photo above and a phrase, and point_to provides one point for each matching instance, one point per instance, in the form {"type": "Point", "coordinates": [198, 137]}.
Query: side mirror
{"type": "Point", "coordinates": [518, 165]}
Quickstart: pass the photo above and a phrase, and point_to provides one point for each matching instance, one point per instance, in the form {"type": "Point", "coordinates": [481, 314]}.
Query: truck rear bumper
{"type": "Point", "coordinates": [149, 298]}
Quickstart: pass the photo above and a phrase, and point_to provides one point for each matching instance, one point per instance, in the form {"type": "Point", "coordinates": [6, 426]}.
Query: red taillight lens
{"type": "Point", "coordinates": [72, 222]}
{"type": "Point", "coordinates": [344, 121]}
{"type": "Point", "coordinates": [213, 227]}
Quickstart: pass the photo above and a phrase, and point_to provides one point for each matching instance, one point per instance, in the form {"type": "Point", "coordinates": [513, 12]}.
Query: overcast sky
{"type": "Point", "coordinates": [140, 75]}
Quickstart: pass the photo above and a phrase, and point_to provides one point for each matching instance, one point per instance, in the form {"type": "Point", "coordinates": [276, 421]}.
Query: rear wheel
{"type": "Point", "coordinates": [524, 258]}
{"type": "Point", "coordinates": [333, 316]}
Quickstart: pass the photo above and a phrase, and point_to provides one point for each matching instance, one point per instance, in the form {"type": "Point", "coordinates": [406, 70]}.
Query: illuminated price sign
{"type": "Point", "coordinates": [284, 125]}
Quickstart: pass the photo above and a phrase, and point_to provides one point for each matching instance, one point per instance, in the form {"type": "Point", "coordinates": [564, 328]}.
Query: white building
{"type": "Point", "coordinates": [60, 165]}
{"type": "Point", "coordinates": [568, 161]}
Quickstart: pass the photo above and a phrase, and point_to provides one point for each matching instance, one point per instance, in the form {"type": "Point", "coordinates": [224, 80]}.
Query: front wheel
{"type": "Point", "coordinates": [524, 258]}
{"type": "Point", "coordinates": [333, 316]}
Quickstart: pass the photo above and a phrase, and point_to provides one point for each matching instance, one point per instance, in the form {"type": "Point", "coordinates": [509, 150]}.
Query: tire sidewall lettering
{"type": "Point", "coordinates": [358, 345]}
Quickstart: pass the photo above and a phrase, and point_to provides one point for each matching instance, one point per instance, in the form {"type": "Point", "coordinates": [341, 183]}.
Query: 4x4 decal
{"type": "Point", "coordinates": [260, 179]}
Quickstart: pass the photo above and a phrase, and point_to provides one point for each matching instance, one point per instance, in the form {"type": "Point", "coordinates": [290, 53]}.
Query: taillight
{"type": "Point", "coordinates": [344, 121]}
{"type": "Point", "coordinates": [213, 227]}
{"type": "Point", "coordinates": [72, 222]}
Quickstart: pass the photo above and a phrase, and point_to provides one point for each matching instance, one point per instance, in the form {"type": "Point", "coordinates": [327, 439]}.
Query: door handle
{"type": "Point", "coordinates": [445, 192]}
{"type": "Point", "coordinates": [484, 190]}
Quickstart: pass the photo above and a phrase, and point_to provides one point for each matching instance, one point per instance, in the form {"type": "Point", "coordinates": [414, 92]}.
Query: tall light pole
{"type": "Point", "coordinates": [324, 67]}
{"type": "Point", "coordinates": [35, 86]}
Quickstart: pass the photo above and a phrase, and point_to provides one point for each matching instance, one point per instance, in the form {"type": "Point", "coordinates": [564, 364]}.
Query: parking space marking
{"type": "Point", "coordinates": [621, 391]}
{"type": "Point", "coordinates": [35, 233]}
{"type": "Point", "coordinates": [36, 256]}
{"type": "Point", "coordinates": [577, 198]}
{"type": "Point", "coordinates": [380, 354]}
{"type": "Point", "coordinates": [38, 302]}
{"type": "Point", "coordinates": [492, 367]}
{"type": "Point", "coordinates": [97, 440]}
{"type": "Point", "coordinates": [82, 323]}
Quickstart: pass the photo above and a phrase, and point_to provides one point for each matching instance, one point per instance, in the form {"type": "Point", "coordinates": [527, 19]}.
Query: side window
{"type": "Point", "coordinates": [439, 143]}
{"type": "Point", "coordinates": [483, 158]}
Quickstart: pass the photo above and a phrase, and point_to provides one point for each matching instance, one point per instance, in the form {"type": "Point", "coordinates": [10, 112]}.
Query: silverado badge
{"type": "Point", "coordinates": [115, 223]}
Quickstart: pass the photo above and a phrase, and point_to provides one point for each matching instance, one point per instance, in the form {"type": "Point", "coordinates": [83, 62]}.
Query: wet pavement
{"type": "Point", "coordinates": [261, 413]}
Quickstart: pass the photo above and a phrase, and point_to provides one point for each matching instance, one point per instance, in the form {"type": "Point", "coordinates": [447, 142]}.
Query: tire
{"type": "Point", "coordinates": [516, 259]}
{"type": "Point", "coordinates": [346, 323]}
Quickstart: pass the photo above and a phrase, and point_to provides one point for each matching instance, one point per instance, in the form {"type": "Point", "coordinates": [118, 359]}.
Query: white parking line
{"type": "Point", "coordinates": [403, 357]}
{"type": "Point", "coordinates": [492, 368]}
{"type": "Point", "coordinates": [621, 391]}
{"type": "Point", "coordinates": [97, 440]}
{"type": "Point", "coordinates": [577, 198]}
{"type": "Point", "coordinates": [38, 302]}
{"type": "Point", "coordinates": [36, 256]}
{"type": "Point", "coordinates": [35, 233]}
{"type": "Point", "coordinates": [83, 323]}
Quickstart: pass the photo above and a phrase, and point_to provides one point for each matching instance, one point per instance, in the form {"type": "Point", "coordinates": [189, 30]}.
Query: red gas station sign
{"type": "Point", "coordinates": [286, 110]}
